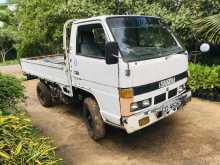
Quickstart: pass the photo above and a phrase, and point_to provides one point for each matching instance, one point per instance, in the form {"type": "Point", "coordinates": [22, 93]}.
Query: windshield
{"type": "Point", "coordinates": [141, 38]}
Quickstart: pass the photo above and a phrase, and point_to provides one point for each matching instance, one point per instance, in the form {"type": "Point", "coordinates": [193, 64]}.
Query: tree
{"type": "Point", "coordinates": [180, 15]}
{"type": "Point", "coordinates": [7, 32]}
{"type": "Point", "coordinates": [209, 28]}
{"type": "Point", "coordinates": [41, 22]}
{"type": "Point", "coordinates": [6, 43]}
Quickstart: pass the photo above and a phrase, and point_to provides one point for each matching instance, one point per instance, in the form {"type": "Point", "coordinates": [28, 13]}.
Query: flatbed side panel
{"type": "Point", "coordinates": [45, 70]}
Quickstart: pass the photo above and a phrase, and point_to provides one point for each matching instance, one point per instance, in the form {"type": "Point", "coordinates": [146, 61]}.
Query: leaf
{"type": "Point", "coordinates": [33, 157]}
{"type": "Point", "coordinates": [18, 149]}
{"type": "Point", "coordinates": [4, 155]}
{"type": "Point", "coordinates": [209, 28]}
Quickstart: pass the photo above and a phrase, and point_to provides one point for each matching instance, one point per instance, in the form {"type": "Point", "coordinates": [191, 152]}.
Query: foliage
{"type": "Point", "coordinates": [7, 16]}
{"type": "Point", "coordinates": [41, 21]}
{"type": "Point", "coordinates": [209, 28]}
{"type": "Point", "coordinates": [180, 20]}
{"type": "Point", "coordinates": [204, 79]}
{"type": "Point", "coordinates": [43, 34]}
{"type": "Point", "coordinates": [21, 144]}
{"type": "Point", "coordinates": [10, 62]}
{"type": "Point", "coordinates": [11, 91]}
{"type": "Point", "coordinates": [8, 33]}
{"type": "Point", "coordinates": [7, 40]}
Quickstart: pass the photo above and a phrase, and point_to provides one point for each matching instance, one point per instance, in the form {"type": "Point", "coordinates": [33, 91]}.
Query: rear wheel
{"type": "Point", "coordinates": [44, 95]}
{"type": "Point", "coordinates": [94, 122]}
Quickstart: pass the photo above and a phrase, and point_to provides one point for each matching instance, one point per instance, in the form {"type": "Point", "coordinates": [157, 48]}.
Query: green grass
{"type": "Point", "coordinates": [10, 62]}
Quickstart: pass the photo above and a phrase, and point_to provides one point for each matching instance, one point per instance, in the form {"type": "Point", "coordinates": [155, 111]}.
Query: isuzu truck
{"type": "Point", "coordinates": [127, 71]}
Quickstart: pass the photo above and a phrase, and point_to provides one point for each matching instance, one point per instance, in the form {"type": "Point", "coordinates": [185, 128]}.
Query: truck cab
{"type": "Point", "coordinates": [129, 71]}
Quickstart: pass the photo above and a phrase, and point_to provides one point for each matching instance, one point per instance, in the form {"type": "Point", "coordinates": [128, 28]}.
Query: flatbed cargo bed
{"type": "Point", "coordinates": [51, 68]}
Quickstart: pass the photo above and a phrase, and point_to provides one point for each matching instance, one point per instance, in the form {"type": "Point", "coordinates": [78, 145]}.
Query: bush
{"type": "Point", "coordinates": [204, 80]}
{"type": "Point", "coordinates": [21, 144]}
{"type": "Point", "coordinates": [11, 91]}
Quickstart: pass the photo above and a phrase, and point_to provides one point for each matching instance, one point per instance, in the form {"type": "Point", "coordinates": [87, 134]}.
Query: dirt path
{"type": "Point", "coordinates": [11, 69]}
{"type": "Point", "coordinates": [190, 137]}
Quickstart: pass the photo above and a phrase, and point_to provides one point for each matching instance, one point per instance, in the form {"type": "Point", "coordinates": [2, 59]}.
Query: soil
{"type": "Point", "coordinates": [189, 137]}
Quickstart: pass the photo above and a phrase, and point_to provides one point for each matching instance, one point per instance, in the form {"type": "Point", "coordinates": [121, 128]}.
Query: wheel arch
{"type": "Point", "coordinates": [84, 93]}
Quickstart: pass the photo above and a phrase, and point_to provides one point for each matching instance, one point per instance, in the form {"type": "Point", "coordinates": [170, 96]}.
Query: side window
{"type": "Point", "coordinates": [91, 41]}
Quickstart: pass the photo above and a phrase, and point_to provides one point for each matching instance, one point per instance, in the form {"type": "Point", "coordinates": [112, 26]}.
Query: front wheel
{"type": "Point", "coordinates": [94, 122]}
{"type": "Point", "coordinates": [44, 95]}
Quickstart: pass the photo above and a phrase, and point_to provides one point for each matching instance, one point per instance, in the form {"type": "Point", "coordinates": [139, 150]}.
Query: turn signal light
{"type": "Point", "coordinates": [126, 98]}
{"type": "Point", "coordinates": [126, 93]}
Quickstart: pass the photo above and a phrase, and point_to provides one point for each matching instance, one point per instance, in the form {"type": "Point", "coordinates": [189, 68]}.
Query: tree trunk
{"type": "Point", "coordinates": [3, 54]}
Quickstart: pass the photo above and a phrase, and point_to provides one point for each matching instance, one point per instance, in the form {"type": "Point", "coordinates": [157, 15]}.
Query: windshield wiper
{"type": "Point", "coordinates": [181, 51]}
{"type": "Point", "coordinates": [176, 50]}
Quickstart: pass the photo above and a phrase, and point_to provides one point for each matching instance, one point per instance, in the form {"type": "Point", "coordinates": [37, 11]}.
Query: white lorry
{"type": "Point", "coordinates": [128, 72]}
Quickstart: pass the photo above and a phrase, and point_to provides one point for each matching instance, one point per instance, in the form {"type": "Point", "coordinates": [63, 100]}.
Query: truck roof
{"type": "Point", "coordinates": [109, 16]}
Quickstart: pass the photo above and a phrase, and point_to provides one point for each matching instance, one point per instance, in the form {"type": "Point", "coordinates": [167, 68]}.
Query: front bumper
{"type": "Point", "coordinates": [150, 116]}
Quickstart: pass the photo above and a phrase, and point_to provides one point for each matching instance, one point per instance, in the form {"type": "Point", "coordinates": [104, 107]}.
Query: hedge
{"type": "Point", "coordinates": [11, 92]}
{"type": "Point", "coordinates": [204, 81]}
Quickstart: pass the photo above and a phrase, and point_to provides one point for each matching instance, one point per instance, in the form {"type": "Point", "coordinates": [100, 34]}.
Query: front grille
{"type": "Point", "coordinates": [158, 99]}
{"type": "Point", "coordinates": [172, 93]}
{"type": "Point", "coordinates": [155, 85]}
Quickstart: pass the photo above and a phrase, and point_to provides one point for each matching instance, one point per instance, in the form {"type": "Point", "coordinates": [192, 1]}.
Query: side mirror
{"type": "Point", "coordinates": [205, 47]}
{"type": "Point", "coordinates": [111, 53]}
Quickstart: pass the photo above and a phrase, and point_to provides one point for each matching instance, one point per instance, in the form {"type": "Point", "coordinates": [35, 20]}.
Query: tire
{"type": "Point", "coordinates": [44, 95]}
{"type": "Point", "coordinates": [95, 125]}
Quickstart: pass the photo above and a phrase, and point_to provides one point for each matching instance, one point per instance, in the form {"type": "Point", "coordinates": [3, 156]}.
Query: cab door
{"type": "Point", "coordinates": [90, 71]}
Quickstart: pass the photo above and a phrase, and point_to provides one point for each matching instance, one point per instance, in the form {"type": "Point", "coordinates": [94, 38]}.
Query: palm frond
{"type": "Point", "coordinates": [209, 28]}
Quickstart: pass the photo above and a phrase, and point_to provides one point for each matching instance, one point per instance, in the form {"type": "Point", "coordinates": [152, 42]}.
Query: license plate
{"type": "Point", "coordinates": [172, 106]}
{"type": "Point", "coordinates": [166, 108]}
{"type": "Point", "coordinates": [144, 121]}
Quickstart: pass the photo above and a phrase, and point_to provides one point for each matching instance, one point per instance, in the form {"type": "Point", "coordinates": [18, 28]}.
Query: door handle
{"type": "Point", "coordinates": [76, 73]}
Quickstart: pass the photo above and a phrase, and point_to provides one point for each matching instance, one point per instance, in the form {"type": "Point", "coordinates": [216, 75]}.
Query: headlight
{"type": "Point", "coordinates": [134, 106]}
{"type": "Point", "coordinates": [181, 88]}
{"type": "Point", "coordinates": [146, 103]}
{"type": "Point", "coordinates": [140, 105]}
